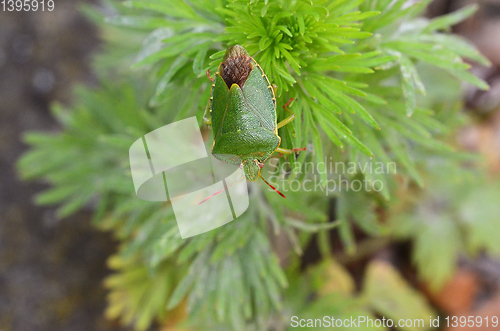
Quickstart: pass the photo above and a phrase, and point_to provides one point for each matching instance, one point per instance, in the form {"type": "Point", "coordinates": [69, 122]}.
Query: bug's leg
{"type": "Point", "coordinates": [275, 89]}
{"type": "Point", "coordinates": [289, 118]}
{"type": "Point", "coordinates": [289, 151]}
{"type": "Point", "coordinates": [207, 116]}
{"type": "Point", "coordinates": [208, 75]}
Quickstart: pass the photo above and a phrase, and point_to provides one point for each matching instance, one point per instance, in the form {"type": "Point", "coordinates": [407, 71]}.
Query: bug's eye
{"type": "Point", "coordinates": [261, 165]}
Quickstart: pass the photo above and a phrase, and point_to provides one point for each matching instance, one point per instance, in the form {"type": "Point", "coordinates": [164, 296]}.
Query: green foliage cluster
{"type": "Point", "coordinates": [358, 71]}
{"type": "Point", "coordinates": [384, 292]}
{"type": "Point", "coordinates": [456, 214]}
{"type": "Point", "coordinates": [349, 64]}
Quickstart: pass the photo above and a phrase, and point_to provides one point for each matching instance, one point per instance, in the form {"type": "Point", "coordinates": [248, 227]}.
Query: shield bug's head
{"type": "Point", "coordinates": [251, 168]}
{"type": "Point", "coordinates": [236, 66]}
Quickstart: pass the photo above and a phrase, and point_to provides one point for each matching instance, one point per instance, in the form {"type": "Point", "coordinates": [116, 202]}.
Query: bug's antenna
{"type": "Point", "coordinates": [206, 199]}
{"type": "Point", "coordinates": [274, 188]}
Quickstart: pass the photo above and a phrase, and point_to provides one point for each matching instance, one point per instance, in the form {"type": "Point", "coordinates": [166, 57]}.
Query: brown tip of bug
{"type": "Point", "coordinates": [235, 70]}
{"type": "Point", "coordinates": [235, 51]}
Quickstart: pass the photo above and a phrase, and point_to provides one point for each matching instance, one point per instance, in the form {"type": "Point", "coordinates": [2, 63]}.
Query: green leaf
{"type": "Point", "coordinates": [174, 8]}
{"type": "Point", "coordinates": [447, 21]}
{"type": "Point", "coordinates": [456, 44]}
{"type": "Point", "coordinates": [318, 150]}
{"type": "Point", "coordinates": [139, 22]}
{"type": "Point", "coordinates": [480, 212]}
{"type": "Point", "coordinates": [308, 227]}
{"type": "Point", "coordinates": [401, 151]}
{"type": "Point", "coordinates": [471, 79]}
{"type": "Point", "coordinates": [182, 289]}
{"type": "Point", "coordinates": [329, 132]}
{"type": "Point", "coordinates": [351, 140]}
{"type": "Point", "coordinates": [346, 102]}
{"type": "Point", "coordinates": [408, 89]}
{"type": "Point", "coordinates": [392, 297]}
{"type": "Point", "coordinates": [295, 66]}
{"type": "Point", "coordinates": [178, 63]}
{"type": "Point", "coordinates": [437, 244]}
{"type": "Point", "coordinates": [199, 60]}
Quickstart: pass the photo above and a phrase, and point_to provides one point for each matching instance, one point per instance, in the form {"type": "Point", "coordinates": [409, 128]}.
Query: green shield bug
{"type": "Point", "coordinates": [242, 112]}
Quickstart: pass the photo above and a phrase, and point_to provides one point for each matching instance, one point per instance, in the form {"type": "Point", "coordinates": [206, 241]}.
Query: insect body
{"type": "Point", "coordinates": [242, 110]}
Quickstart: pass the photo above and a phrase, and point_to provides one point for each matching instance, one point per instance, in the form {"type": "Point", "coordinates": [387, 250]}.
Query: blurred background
{"type": "Point", "coordinates": [51, 269]}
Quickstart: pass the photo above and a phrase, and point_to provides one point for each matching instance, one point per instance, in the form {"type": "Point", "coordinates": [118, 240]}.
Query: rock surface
{"type": "Point", "coordinates": [51, 270]}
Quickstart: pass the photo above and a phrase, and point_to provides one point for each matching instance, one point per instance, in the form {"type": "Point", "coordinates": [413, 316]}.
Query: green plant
{"type": "Point", "coordinates": [358, 71]}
